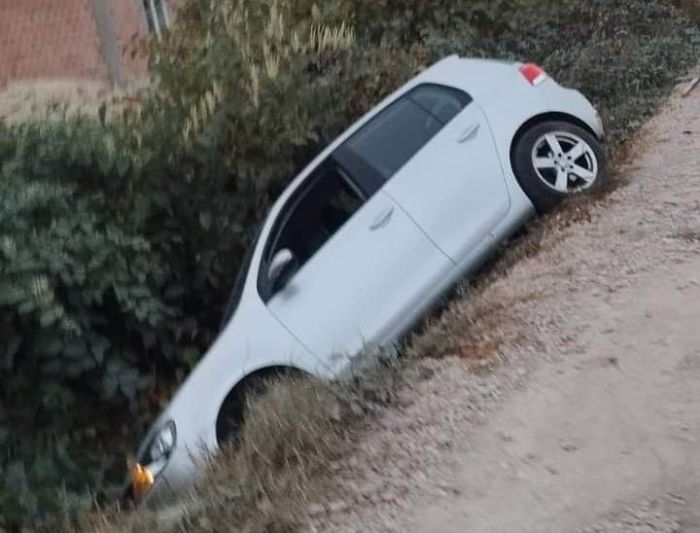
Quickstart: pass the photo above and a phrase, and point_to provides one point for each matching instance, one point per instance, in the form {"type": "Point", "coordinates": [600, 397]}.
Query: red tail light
{"type": "Point", "coordinates": [534, 74]}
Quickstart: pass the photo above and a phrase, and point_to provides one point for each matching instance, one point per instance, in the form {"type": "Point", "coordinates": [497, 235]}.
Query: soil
{"type": "Point", "coordinates": [592, 424]}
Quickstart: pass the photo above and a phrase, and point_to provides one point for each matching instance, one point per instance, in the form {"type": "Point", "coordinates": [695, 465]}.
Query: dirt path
{"type": "Point", "coordinates": [594, 425]}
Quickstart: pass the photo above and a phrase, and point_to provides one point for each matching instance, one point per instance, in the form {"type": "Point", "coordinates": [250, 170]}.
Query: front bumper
{"type": "Point", "coordinates": [184, 466]}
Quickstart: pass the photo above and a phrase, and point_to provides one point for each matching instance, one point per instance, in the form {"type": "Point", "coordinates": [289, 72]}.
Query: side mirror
{"type": "Point", "coordinates": [280, 267]}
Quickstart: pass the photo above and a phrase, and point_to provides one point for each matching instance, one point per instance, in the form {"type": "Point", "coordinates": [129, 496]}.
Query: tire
{"type": "Point", "coordinates": [556, 159]}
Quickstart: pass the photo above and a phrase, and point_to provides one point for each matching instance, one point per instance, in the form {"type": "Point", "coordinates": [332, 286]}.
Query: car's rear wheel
{"type": "Point", "coordinates": [555, 159]}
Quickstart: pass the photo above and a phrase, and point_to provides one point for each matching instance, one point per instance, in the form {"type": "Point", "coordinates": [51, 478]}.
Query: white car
{"type": "Point", "coordinates": [405, 203]}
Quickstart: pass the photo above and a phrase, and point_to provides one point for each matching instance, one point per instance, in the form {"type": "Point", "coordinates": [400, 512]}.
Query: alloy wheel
{"type": "Point", "coordinates": [565, 162]}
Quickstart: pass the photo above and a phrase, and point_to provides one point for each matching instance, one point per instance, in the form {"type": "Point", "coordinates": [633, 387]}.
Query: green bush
{"type": "Point", "coordinates": [81, 300]}
{"type": "Point", "coordinates": [120, 238]}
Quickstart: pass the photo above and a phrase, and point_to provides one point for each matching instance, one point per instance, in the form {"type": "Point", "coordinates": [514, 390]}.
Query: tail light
{"type": "Point", "coordinates": [533, 73]}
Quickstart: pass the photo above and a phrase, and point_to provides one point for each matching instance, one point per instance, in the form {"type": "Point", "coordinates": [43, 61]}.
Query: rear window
{"type": "Point", "coordinates": [391, 138]}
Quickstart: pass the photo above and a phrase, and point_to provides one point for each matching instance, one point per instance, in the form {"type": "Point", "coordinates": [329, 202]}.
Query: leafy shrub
{"type": "Point", "coordinates": [80, 299]}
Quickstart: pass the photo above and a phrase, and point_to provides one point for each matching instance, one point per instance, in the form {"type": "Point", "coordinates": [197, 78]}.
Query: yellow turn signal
{"type": "Point", "coordinates": [141, 481]}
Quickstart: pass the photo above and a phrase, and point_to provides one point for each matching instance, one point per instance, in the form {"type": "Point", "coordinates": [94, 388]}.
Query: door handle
{"type": "Point", "coordinates": [469, 133]}
{"type": "Point", "coordinates": [382, 219]}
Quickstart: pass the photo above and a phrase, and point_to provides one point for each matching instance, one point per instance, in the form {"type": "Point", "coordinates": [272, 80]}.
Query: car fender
{"type": "Point", "coordinates": [517, 103]}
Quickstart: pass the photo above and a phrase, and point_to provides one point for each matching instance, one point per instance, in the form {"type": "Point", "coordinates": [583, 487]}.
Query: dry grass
{"type": "Point", "coordinates": [277, 469]}
{"type": "Point", "coordinates": [476, 325]}
{"type": "Point", "coordinates": [262, 483]}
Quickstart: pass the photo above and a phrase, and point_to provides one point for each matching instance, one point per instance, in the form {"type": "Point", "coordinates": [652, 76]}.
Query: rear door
{"type": "Point", "coordinates": [363, 264]}
{"type": "Point", "coordinates": [453, 187]}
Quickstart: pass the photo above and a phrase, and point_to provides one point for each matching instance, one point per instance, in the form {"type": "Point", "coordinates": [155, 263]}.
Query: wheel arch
{"type": "Point", "coordinates": [234, 401]}
{"type": "Point", "coordinates": [547, 117]}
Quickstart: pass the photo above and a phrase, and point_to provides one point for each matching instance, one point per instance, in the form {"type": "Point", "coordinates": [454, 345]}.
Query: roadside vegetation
{"type": "Point", "coordinates": [121, 231]}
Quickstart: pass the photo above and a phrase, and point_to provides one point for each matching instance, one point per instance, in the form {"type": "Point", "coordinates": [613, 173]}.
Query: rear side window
{"type": "Point", "coordinates": [390, 139]}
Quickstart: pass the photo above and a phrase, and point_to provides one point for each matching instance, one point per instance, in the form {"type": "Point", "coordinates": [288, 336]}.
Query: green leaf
{"type": "Point", "coordinates": [10, 294]}
{"type": "Point", "coordinates": [205, 220]}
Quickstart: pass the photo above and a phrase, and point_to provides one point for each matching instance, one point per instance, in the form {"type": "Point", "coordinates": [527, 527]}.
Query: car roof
{"type": "Point", "coordinates": [478, 77]}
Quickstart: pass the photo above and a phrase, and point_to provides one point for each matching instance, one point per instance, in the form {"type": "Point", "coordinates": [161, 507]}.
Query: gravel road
{"type": "Point", "coordinates": [593, 422]}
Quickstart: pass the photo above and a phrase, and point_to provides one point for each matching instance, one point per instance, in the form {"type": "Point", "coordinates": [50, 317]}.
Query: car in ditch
{"type": "Point", "coordinates": [382, 223]}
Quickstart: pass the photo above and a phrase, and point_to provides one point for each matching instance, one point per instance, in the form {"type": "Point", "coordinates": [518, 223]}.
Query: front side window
{"type": "Point", "coordinates": [390, 139]}
{"type": "Point", "coordinates": [319, 212]}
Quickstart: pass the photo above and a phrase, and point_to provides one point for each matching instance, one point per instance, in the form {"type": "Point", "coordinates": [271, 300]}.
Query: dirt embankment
{"type": "Point", "coordinates": [593, 423]}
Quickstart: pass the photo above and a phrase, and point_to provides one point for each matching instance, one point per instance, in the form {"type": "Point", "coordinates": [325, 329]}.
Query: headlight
{"type": "Point", "coordinates": [144, 474]}
{"type": "Point", "coordinates": [163, 444]}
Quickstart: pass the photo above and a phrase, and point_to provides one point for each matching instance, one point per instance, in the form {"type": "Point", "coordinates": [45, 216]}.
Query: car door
{"type": "Point", "coordinates": [454, 186]}
{"type": "Point", "coordinates": [362, 265]}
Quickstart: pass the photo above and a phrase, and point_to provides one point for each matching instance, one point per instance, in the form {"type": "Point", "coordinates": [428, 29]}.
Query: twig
{"type": "Point", "coordinates": [693, 83]}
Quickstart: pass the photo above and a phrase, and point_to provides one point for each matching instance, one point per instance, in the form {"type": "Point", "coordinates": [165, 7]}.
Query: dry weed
{"type": "Point", "coordinates": [475, 326]}
{"type": "Point", "coordinates": [688, 235]}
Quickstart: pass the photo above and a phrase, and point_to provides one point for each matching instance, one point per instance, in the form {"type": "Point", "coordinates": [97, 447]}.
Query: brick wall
{"type": "Point", "coordinates": [49, 39]}
{"type": "Point", "coordinates": [129, 25]}
{"type": "Point", "coordinates": [59, 39]}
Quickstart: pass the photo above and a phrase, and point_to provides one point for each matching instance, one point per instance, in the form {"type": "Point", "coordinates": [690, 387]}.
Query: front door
{"type": "Point", "coordinates": [363, 264]}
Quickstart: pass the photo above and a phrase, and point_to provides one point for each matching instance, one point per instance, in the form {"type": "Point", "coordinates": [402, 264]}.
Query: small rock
{"type": "Point", "coordinates": [337, 507]}
{"type": "Point", "coordinates": [568, 446]}
{"type": "Point", "coordinates": [552, 470]}
{"type": "Point", "coordinates": [505, 437]}
{"type": "Point", "coordinates": [316, 509]}
{"type": "Point", "coordinates": [425, 372]}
